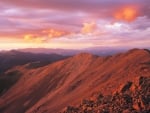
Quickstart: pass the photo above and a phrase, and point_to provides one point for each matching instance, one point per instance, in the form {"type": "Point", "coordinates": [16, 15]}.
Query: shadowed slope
{"type": "Point", "coordinates": [13, 58]}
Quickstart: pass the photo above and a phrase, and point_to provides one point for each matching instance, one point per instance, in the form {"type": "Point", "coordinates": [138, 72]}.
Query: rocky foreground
{"type": "Point", "coordinates": [131, 98]}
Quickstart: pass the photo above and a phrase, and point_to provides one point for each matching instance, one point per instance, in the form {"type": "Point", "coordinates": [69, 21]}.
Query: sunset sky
{"type": "Point", "coordinates": [74, 24]}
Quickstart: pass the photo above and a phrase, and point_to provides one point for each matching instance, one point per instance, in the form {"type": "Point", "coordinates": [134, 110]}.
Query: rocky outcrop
{"type": "Point", "coordinates": [124, 101]}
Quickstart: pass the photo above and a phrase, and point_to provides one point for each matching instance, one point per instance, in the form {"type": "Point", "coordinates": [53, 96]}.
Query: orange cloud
{"type": "Point", "coordinates": [88, 27]}
{"type": "Point", "coordinates": [127, 13]}
{"type": "Point", "coordinates": [30, 38]}
{"type": "Point", "coordinates": [51, 33]}
{"type": "Point", "coordinates": [44, 36]}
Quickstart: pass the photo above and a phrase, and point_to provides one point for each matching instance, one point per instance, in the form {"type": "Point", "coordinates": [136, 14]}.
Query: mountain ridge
{"type": "Point", "coordinates": [67, 82]}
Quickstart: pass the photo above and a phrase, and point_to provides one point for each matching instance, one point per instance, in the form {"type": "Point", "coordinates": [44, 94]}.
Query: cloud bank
{"type": "Point", "coordinates": [95, 22]}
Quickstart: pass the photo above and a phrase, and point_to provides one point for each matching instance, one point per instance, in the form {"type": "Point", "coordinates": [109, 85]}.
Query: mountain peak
{"type": "Point", "coordinates": [85, 55]}
{"type": "Point", "coordinates": [138, 50]}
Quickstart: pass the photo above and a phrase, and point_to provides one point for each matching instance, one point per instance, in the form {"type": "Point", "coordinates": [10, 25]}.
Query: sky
{"type": "Point", "coordinates": [74, 24]}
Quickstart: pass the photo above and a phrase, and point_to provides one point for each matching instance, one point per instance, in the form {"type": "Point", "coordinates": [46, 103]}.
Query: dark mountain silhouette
{"type": "Point", "coordinates": [49, 89]}
{"type": "Point", "coordinates": [13, 58]}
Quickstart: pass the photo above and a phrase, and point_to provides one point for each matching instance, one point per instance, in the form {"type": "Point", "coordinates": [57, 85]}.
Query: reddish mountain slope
{"type": "Point", "coordinates": [51, 88]}
{"type": "Point", "coordinates": [13, 58]}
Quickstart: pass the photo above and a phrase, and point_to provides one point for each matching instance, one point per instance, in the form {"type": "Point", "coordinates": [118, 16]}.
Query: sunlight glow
{"type": "Point", "coordinates": [127, 14]}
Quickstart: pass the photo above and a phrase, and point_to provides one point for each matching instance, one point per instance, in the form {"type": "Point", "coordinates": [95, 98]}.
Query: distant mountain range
{"type": "Point", "coordinates": [76, 81]}
{"type": "Point", "coordinates": [103, 51]}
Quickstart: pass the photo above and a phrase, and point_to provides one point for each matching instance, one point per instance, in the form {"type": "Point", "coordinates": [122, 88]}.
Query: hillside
{"type": "Point", "coordinates": [51, 88]}
{"type": "Point", "coordinates": [10, 59]}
